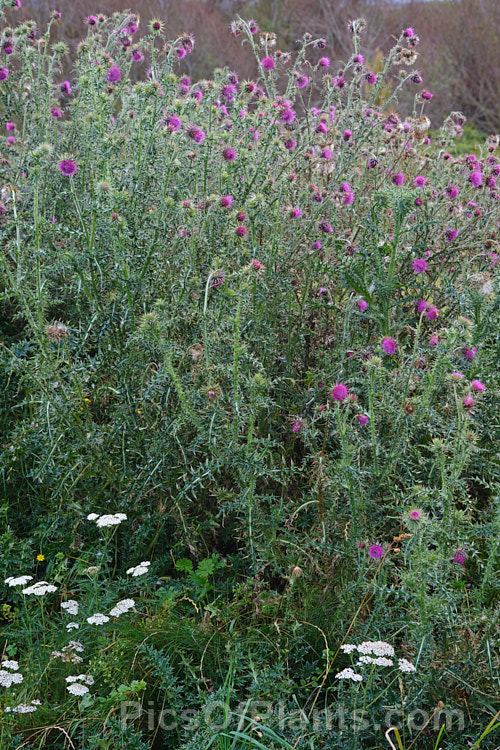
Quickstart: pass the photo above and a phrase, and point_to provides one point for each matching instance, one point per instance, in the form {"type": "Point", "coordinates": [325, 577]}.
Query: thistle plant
{"type": "Point", "coordinates": [249, 358]}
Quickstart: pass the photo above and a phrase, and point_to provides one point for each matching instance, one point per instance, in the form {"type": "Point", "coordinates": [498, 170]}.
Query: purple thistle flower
{"type": "Point", "coordinates": [267, 63]}
{"type": "Point", "coordinates": [290, 144]}
{"type": "Point", "coordinates": [324, 62]}
{"type": "Point", "coordinates": [241, 231]}
{"type": "Point", "coordinates": [4, 74]}
{"type": "Point", "coordinates": [11, 140]}
{"type": "Point", "coordinates": [297, 426]}
{"type": "Point", "coordinates": [180, 52]}
{"type": "Point", "coordinates": [426, 95]}
{"type": "Point", "coordinates": [196, 134]}
{"type": "Point", "coordinates": [7, 47]}
{"type": "Point", "coordinates": [362, 305]}
{"type": "Point", "coordinates": [326, 154]}
{"type": "Point", "coordinates": [468, 401]}
{"type": "Point", "coordinates": [173, 123]}
{"type": "Point", "coordinates": [340, 392]}
{"type": "Point", "coordinates": [432, 313]}
{"type": "Point", "coordinates": [460, 557]}
{"type": "Point", "coordinates": [450, 234]}
{"type": "Point", "coordinates": [408, 32]}
{"type": "Point", "coordinates": [226, 201]}
{"type": "Point", "coordinates": [348, 199]}
{"type": "Point", "coordinates": [414, 515]}
{"type": "Point", "coordinates": [376, 552]}
{"type": "Point", "coordinates": [419, 181]}
{"type": "Point", "coordinates": [389, 345]}
{"type": "Point", "coordinates": [321, 127]}
{"type": "Point", "coordinates": [477, 385]}
{"type": "Point", "coordinates": [67, 167]}
{"type": "Point", "coordinates": [457, 376]}
{"type": "Point", "coordinates": [419, 265]}
{"type": "Point", "coordinates": [229, 154]}
{"type": "Point", "coordinates": [421, 306]}
{"type": "Point", "coordinates": [470, 353]}
{"type": "Point", "coordinates": [359, 59]}
{"type": "Point", "coordinates": [287, 116]}
{"type": "Point", "coordinates": [476, 179]}
{"type": "Point", "coordinates": [452, 191]}
{"type": "Point", "coordinates": [398, 179]}
{"type": "Point", "coordinates": [137, 55]}
{"type": "Point", "coordinates": [370, 78]}
{"type": "Point", "coordinates": [301, 81]}
{"type": "Point", "coordinates": [65, 87]}
{"type": "Point", "coordinates": [325, 227]}
{"type": "Point", "coordinates": [362, 419]}
{"type": "Point", "coordinates": [433, 341]}
{"type": "Point", "coordinates": [114, 74]}
{"type": "Point", "coordinates": [90, 21]}
{"type": "Point", "coordinates": [295, 213]}
{"type": "Point", "coordinates": [10, 126]}
{"type": "Point", "coordinates": [56, 113]}
{"type": "Point", "coordinates": [347, 134]}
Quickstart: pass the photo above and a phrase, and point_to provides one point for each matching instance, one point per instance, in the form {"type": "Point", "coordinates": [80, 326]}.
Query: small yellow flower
{"type": "Point", "coordinates": [40, 558]}
{"type": "Point", "coordinates": [87, 400]}
{"type": "Point", "coordinates": [139, 411]}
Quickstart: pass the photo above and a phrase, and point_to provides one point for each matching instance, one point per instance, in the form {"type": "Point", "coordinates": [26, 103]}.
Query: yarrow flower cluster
{"type": "Point", "coordinates": [70, 606]}
{"type": "Point", "coordinates": [121, 607]}
{"type": "Point", "coordinates": [23, 708]}
{"type": "Point", "coordinates": [78, 684]}
{"type": "Point", "coordinates": [40, 588]}
{"type": "Point", "coordinates": [19, 581]}
{"type": "Point", "coordinates": [139, 570]}
{"type": "Point", "coordinates": [97, 619]}
{"type": "Point", "coordinates": [107, 519]}
{"type": "Point", "coordinates": [373, 653]}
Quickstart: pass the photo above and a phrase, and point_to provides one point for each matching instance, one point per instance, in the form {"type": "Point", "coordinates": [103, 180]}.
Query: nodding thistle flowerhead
{"type": "Point", "coordinates": [114, 74]}
{"type": "Point", "coordinates": [196, 133]}
{"type": "Point", "coordinates": [376, 552]}
{"type": "Point", "coordinates": [419, 265]}
{"type": "Point", "coordinates": [389, 345]}
{"type": "Point", "coordinates": [476, 385]}
{"type": "Point", "coordinates": [340, 392]}
{"type": "Point", "coordinates": [267, 63]}
{"type": "Point", "coordinates": [460, 557]}
{"type": "Point", "coordinates": [67, 167]}
{"type": "Point", "coordinates": [229, 154]}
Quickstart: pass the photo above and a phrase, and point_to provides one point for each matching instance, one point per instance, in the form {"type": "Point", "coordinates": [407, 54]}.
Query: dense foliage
{"type": "Point", "coordinates": [249, 361]}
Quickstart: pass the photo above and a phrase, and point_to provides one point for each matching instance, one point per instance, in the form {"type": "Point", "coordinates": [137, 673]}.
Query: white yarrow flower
{"type": "Point", "coordinates": [139, 570]}
{"type": "Point", "coordinates": [71, 606]}
{"type": "Point", "coordinates": [378, 648]}
{"type": "Point", "coordinates": [19, 581]}
{"type": "Point", "coordinates": [406, 666]}
{"type": "Point", "coordinates": [23, 708]}
{"type": "Point", "coordinates": [92, 516]}
{"type": "Point", "coordinates": [97, 619]}
{"type": "Point", "coordinates": [40, 588]}
{"type": "Point", "coordinates": [14, 665]}
{"type": "Point", "coordinates": [72, 626]}
{"type": "Point", "coordinates": [10, 678]}
{"type": "Point", "coordinates": [382, 661]}
{"type": "Point", "coordinates": [77, 689]}
{"type": "Point", "coordinates": [347, 648]}
{"type": "Point", "coordinates": [121, 607]}
{"type": "Point", "coordinates": [349, 674]}
{"type": "Point", "coordinates": [108, 519]}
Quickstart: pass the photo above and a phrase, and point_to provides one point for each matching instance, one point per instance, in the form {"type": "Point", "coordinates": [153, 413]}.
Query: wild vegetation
{"type": "Point", "coordinates": [249, 360]}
